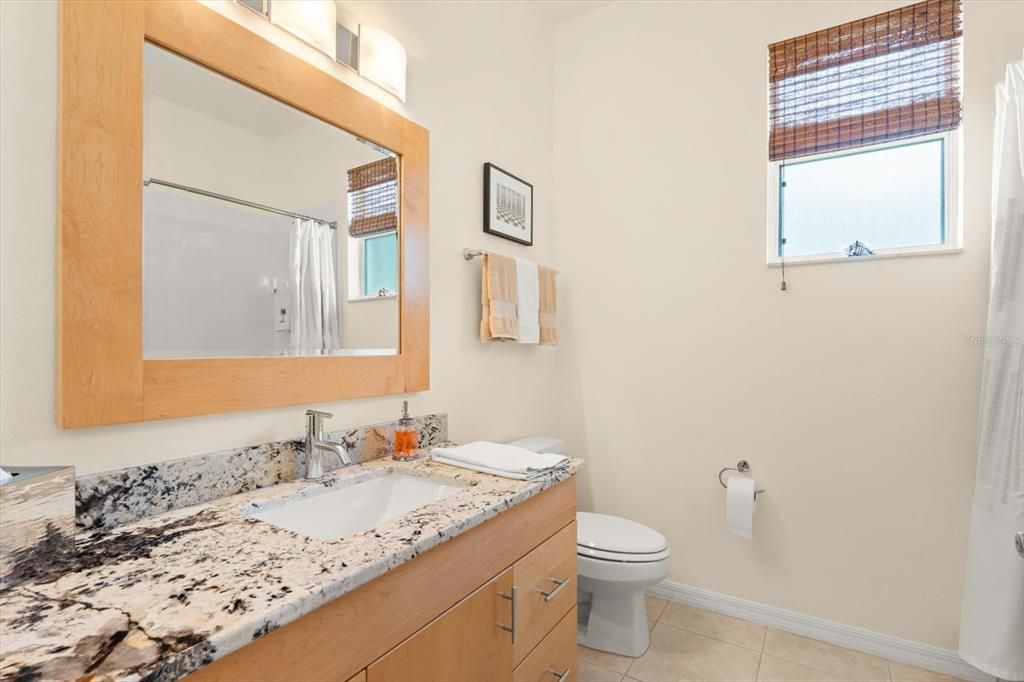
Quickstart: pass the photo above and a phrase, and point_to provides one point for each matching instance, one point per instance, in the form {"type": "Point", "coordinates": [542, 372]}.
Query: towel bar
{"type": "Point", "coordinates": [470, 254]}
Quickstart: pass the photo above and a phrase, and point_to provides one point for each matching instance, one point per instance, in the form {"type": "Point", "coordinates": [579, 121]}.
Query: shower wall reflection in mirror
{"type": "Point", "coordinates": [266, 231]}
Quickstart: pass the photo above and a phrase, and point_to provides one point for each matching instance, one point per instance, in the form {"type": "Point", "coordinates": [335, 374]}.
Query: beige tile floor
{"type": "Point", "coordinates": [689, 644]}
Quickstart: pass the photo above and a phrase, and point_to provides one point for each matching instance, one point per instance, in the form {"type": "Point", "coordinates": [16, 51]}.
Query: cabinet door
{"type": "Point", "coordinates": [545, 581]}
{"type": "Point", "coordinates": [554, 659]}
{"type": "Point", "coordinates": [466, 644]}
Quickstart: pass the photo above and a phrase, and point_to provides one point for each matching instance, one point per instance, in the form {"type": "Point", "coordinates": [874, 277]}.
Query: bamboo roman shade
{"type": "Point", "coordinates": [891, 76]}
{"type": "Point", "coordinates": [373, 198]}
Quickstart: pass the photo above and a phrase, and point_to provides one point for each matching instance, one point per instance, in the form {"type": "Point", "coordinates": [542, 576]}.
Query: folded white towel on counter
{"type": "Point", "coordinates": [528, 301]}
{"type": "Point", "coordinates": [500, 460]}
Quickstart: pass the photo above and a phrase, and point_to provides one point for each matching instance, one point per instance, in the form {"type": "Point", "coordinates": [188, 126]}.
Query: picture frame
{"type": "Point", "coordinates": [508, 205]}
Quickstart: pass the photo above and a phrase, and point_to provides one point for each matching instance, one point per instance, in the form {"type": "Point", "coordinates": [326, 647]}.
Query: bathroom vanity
{"type": "Point", "coordinates": [478, 584]}
{"type": "Point", "coordinates": [509, 584]}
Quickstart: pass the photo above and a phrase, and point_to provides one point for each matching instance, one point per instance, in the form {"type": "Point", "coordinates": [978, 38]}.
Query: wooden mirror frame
{"type": "Point", "coordinates": [102, 377]}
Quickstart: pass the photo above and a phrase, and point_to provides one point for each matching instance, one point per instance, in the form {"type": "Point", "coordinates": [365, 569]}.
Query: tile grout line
{"type": "Point", "coordinates": [707, 636]}
{"type": "Point", "coordinates": [657, 620]}
{"type": "Point", "coordinates": [824, 672]}
{"type": "Point", "coordinates": [780, 656]}
{"type": "Point", "coordinates": [760, 659]}
{"type": "Point", "coordinates": [598, 665]}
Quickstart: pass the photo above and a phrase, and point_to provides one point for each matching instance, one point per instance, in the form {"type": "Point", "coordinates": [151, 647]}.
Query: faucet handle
{"type": "Point", "coordinates": [318, 413]}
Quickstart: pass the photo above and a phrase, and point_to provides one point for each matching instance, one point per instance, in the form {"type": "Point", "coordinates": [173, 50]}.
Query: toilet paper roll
{"type": "Point", "coordinates": [739, 506]}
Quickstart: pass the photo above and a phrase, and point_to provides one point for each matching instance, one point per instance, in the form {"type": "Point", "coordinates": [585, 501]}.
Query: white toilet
{"type": "Point", "coordinates": [616, 560]}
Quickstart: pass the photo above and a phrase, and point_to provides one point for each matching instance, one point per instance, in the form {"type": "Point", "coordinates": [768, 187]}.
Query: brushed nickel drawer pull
{"type": "Point", "coordinates": [560, 675]}
{"type": "Point", "coordinates": [548, 596]}
{"type": "Point", "coordinates": [514, 598]}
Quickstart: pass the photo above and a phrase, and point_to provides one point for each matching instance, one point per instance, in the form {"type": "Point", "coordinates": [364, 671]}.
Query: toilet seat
{"type": "Point", "coordinates": [611, 538]}
{"type": "Point", "coordinates": [620, 557]}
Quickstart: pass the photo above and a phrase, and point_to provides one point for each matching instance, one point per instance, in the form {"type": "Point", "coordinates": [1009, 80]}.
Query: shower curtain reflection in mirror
{"type": "Point", "coordinates": [314, 327]}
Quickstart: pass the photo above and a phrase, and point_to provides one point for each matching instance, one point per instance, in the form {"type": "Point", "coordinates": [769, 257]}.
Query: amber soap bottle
{"type": "Point", "coordinates": [405, 436]}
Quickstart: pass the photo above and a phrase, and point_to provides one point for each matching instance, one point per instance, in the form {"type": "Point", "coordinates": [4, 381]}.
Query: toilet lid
{"type": "Point", "coordinates": [612, 537]}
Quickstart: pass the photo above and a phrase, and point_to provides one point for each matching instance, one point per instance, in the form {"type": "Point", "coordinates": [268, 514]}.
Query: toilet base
{"type": "Point", "coordinates": [617, 621]}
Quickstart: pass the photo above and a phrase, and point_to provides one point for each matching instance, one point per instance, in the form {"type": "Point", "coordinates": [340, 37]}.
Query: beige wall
{"type": "Point", "coordinates": [479, 79]}
{"type": "Point", "coordinates": [853, 394]}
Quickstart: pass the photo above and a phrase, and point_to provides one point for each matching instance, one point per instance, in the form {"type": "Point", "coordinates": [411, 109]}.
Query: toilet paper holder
{"type": "Point", "coordinates": [742, 467]}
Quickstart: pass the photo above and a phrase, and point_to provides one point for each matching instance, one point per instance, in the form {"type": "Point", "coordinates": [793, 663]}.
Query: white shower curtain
{"type": "Point", "coordinates": [992, 621]}
{"type": "Point", "coordinates": [315, 326]}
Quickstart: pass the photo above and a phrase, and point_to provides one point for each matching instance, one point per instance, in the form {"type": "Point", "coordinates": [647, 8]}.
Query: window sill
{"type": "Point", "coordinates": [775, 262]}
{"type": "Point", "coordinates": [361, 299]}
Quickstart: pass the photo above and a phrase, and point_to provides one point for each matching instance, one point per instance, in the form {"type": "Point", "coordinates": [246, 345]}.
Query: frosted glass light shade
{"type": "Point", "coordinates": [382, 60]}
{"type": "Point", "coordinates": [312, 21]}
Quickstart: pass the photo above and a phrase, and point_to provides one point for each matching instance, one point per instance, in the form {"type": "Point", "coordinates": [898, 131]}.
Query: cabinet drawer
{"type": "Point", "coordinates": [545, 581]}
{"type": "Point", "coordinates": [554, 659]}
{"type": "Point", "coordinates": [466, 644]}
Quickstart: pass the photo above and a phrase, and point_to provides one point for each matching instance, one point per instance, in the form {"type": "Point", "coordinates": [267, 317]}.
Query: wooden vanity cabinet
{"type": "Point", "coordinates": [445, 616]}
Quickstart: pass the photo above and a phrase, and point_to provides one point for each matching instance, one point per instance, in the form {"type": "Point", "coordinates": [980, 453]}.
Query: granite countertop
{"type": "Point", "coordinates": [160, 597]}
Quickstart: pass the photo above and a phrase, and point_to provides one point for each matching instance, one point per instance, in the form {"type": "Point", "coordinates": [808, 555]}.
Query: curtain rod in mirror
{"type": "Point", "coordinates": [223, 197]}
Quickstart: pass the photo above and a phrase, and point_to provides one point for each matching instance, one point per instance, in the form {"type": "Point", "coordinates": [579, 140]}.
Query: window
{"type": "Point", "coordinates": [893, 199]}
{"type": "Point", "coordinates": [379, 265]}
{"type": "Point", "coordinates": [373, 229]}
{"type": "Point", "coordinates": [864, 121]}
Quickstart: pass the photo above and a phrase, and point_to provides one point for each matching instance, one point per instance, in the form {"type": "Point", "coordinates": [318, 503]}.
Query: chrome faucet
{"type": "Point", "coordinates": [316, 446]}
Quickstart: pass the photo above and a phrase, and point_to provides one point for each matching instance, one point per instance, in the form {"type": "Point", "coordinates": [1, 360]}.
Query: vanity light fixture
{"type": "Point", "coordinates": [331, 28]}
{"type": "Point", "coordinates": [382, 60]}
{"type": "Point", "coordinates": [312, 21]}
{"type": "Point", "coordinates": [346, 49]}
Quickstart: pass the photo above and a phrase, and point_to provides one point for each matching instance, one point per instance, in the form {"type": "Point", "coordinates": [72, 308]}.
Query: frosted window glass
{"type": "Point", "coordinates": [380, 264]}
{"type": "Point", "coordinates": [884, 198]}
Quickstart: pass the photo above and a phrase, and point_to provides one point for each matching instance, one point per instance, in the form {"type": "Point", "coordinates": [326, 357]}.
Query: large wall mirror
{"type": "Point", "coordinates": [238, 229]}
{"type": "Point", "coordinates": [266, 231]}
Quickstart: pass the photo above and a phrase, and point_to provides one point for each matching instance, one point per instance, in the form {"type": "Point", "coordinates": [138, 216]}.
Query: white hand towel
{"type": "Point", "coordinates": [528, 301]}
{"type": "Point", "coordinates": [501, 460]}
{"type": "Point", "coordinates": [492, 472]}
{"type": "Point", "coordinates": [4, 476]}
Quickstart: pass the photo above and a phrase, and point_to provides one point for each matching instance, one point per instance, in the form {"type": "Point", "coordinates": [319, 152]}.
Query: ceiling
{"type": "Point", "coordinates": [187, 84]}
{"type": "Point", "coordinates": [557, 11]}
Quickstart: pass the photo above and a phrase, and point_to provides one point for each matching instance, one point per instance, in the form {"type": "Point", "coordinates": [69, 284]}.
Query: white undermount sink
{"type": "Point", "coordinates": [337, 512]}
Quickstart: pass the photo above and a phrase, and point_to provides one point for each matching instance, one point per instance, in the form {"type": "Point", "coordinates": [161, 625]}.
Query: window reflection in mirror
{"type": "Point", "coordinates": [255, 240]}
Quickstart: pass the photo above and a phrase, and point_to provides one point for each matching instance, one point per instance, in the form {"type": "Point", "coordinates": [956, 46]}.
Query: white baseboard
{"type": "Point", "coordinates": [902, 650]}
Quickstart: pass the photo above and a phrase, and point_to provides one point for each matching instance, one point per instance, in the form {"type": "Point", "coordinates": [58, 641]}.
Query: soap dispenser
{"type": "Point", "coordinates": [405, 436]}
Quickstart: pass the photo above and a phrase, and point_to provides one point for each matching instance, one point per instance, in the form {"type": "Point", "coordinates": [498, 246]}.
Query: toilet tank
{"type": "Point", "coordinates": [540, 444]}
